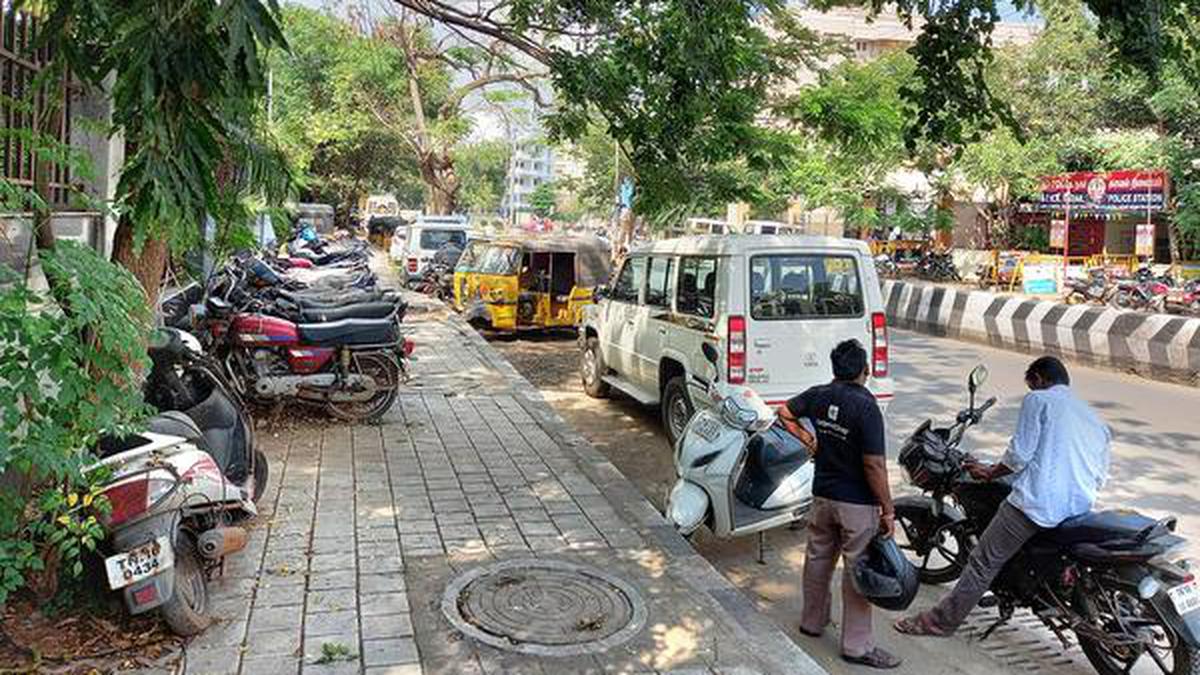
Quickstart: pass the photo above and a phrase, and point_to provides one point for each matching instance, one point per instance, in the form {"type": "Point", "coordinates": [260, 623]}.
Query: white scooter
{"type": "Point", "coordinates": [738, 471]}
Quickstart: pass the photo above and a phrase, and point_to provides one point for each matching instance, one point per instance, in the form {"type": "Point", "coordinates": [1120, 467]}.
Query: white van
{"type": "Point", "coordinates": [424, 237]}
{"type": "Point", "coordinates": [773, 306]}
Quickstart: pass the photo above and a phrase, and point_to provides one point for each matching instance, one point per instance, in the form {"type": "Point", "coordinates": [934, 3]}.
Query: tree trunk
{"type": "Point", "coordinates": [441, 183]}
{"type": "Point", "coordinates": [147, 264]}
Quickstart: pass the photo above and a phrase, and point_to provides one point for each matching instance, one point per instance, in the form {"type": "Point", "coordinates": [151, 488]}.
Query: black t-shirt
{"type": "Point", "coordinates": [849, 426]}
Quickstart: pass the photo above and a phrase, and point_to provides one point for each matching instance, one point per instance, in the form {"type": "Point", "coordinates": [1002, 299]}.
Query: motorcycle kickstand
{"type": "Point", "coordinates": [1005, 615]}
{"type": "Point", "coordinates": [761, 537]}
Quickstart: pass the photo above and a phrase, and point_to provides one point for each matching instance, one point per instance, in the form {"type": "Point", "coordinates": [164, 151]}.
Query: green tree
{"type": "Point", "coordinates": [544, 199]}
{"type": "Point", "coordinates": [187, 82]}
{"type": "Point", "coordinates": [332, 141]}
{"type": "Point", "coordinates": [482, 169]}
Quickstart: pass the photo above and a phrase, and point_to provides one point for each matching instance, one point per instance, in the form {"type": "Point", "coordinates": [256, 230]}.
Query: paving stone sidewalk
{"type": "Point", "coordinates": [365, 526]}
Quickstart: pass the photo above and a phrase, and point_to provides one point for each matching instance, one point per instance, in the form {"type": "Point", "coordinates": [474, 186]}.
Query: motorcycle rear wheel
{"type": "Point", "coordinates": [1184, 659]}
{"type": "Point", "coordinates": [386, 374]}
{"type": "Point", "coordinates": [187, 610]}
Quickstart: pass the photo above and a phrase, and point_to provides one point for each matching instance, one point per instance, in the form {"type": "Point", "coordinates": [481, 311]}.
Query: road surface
{"type": "Point", "coordinates": [1155, 469]}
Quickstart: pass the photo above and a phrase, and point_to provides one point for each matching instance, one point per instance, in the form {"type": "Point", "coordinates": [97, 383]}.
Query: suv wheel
{"type": "Point", "coordinates": [592, 369]}
{"type": "Point", "coordinates": [677, 408]}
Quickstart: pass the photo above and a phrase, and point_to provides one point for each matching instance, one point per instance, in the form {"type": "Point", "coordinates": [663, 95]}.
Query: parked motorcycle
{"type": "Point", "coordinates": [352, 366]}
{"type": "Point", "coordinates": [437, 281]}
{"type": "Point", "coordinates": [936, 266]}
{"type": "Point", "coordinates": [1106, 577]}
{"type": "Point", "coordinates": [1147, 295]}
{"type": "Point", "coordinates": [1095, 289]}
{"type": "Point", "coordinates": [1185, 299]}
{"type": "Point", "coordinates": [738, 472]}
{"type": "Point", "coordinates": [178, 490]}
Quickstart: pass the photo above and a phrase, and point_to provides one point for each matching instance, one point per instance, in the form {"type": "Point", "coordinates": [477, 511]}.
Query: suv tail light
{"type": "Point", "coordinates": [879, 345]}
{"type": "Point", "coordinates": [132, 498]}
{"type": "Point", "coordinates": [412, 265]}
{"type": "Point", "coordinates": [736, 355]}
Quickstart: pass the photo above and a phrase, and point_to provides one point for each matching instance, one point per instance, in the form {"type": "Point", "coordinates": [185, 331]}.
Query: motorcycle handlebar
{"type": "Point", "coordinates": [986, 404]}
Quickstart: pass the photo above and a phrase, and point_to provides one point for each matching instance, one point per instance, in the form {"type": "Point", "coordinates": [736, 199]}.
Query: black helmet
{"type": "Point", "coordinates": [884, 576]}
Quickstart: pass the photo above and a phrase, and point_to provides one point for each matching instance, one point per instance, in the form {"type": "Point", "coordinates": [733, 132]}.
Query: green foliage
{"type": "Point", "coordinates": [544, 199]}
{"type": "Point", "coordinates": [67, 368]}
{"type": "Point", "coordinates": [187, 79]}
{"type": "Point", "coordinates": [483, 170]}
{"type": "Point", "coordinates": [333, 91]}
{"type": "Point", "coordinates": [681, 85]}
{"type": "Point", "coordinates": [334, 652]}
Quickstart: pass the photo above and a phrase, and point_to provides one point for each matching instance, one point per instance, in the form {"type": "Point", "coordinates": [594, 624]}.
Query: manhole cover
{"type": "Point", "coordinates": [544, 607]}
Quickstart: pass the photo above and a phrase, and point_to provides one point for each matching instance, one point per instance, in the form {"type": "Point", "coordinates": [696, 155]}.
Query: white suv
{"type": "Point", "coordinates": [424, 237]}
{"type": "Point", "coordinates": [773, 306]}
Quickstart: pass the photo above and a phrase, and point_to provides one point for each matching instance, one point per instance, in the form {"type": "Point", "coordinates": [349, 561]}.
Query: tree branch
{"type": "Point", "coordinates": [455, 99]}
{"type": "Point", "coordinates": [479, 23]}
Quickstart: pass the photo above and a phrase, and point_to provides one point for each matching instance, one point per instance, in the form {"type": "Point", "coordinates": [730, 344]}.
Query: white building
{"type": "Point", "coordinates": [531, 165]}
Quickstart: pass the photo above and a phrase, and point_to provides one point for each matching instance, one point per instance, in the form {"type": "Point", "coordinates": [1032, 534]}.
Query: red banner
{"type": "Point", "coordinates": [1113, 191]}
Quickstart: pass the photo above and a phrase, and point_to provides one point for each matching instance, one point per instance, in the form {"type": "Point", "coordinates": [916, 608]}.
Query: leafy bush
{"type": "Point", "coordinates": [68, 363]}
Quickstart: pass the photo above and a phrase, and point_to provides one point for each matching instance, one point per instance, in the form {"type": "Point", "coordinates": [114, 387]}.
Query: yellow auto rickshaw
{"type": "Point", "coordinates": [536, 281]}
{"type": "Point", "coordinates": [464, 272]}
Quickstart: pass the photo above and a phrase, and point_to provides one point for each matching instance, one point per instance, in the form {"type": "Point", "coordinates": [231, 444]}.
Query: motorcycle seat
{"type": "Point", "coordinates": [349, 332]}
{"type": "Point", "coordinates": [771, 457]}
{"type": "Point", "coordinates": [1099, 527]}
{"type": "Point", "coordinates": [366, 310]}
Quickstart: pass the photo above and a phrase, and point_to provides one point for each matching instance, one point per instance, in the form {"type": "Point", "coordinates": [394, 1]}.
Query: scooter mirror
{"type": "Point", "coordinates": [978, 376]}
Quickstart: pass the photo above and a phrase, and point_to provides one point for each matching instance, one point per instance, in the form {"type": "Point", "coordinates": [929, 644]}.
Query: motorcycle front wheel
{"type": "Point", "coordinates": [386, 374]}
{"type": "Point", "coordinates": [1105, 611]}
{"type": "Point", "coordinates": [938, 549]}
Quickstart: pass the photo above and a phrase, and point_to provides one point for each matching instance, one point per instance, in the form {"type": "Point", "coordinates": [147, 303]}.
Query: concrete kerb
{"type": "Point", "coordinates": [1156, 346]}
{"type": "Point", "coordinates": [761, 634]}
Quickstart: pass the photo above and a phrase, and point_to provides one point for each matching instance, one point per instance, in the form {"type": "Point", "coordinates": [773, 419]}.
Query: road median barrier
{"type": "Point", "coordinates": [1158, 346]}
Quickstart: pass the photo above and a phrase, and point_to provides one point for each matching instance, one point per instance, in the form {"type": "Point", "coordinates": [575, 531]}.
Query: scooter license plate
{"type": "Point", "coordinates": [707, 428]}
{"type": "Point", "coordinates": [1185, 597]}
{"type": "Point", "coordinates": [139, 563]}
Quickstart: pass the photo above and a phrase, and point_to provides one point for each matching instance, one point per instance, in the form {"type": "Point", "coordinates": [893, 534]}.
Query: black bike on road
{"type": "Point", "coordinates": [1111, 578]}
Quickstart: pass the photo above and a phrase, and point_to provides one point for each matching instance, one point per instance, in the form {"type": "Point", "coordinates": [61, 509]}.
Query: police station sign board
{"type": "Point", "coordinates": [1113, 191]}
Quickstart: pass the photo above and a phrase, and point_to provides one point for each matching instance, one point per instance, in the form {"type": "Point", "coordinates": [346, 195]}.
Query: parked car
{"type": "Point", "coordinates": [773, 306]}
{"type": "Point", "coordinates": [423, 239]}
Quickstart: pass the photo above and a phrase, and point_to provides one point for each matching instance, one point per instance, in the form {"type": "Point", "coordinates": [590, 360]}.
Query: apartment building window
{"type": "Point", "coordinates": [20, 106]}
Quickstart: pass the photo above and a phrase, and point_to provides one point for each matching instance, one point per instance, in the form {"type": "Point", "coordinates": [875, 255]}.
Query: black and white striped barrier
{"type": "Point", "coordinates": [1155, 345]}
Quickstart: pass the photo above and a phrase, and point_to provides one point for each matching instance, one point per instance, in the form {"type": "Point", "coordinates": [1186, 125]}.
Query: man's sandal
{"type": "Point", "coordinates": [919, 625]}
{"type": "Point", "coordinates": [876, 658]}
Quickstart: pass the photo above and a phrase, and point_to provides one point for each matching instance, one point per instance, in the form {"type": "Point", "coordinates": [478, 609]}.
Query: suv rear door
{"type": "Point", "coordinates": [802, 302]}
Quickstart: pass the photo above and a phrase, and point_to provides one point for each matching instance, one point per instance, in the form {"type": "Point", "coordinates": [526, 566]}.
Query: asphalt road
{"type": "Point", "coordinates": [1155, 469]}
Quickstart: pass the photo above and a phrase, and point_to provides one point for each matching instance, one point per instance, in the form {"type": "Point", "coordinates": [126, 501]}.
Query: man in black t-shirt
{"type": "Point", "coordinates": [851, 499]}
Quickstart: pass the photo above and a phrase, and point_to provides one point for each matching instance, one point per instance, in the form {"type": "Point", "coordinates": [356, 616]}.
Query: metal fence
{"type": "Point", "coordinates": [23, 105]}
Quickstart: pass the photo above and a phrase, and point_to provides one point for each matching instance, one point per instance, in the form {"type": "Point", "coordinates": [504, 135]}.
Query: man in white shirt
{"type": "Point", "coordinates": [1060, 455]}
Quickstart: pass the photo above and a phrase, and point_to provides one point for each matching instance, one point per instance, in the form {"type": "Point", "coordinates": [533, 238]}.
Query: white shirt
{"type": "Point", "coordinates": [1060, 454]}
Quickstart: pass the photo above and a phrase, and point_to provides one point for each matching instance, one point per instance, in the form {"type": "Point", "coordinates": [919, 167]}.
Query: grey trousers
{"type": "Point", "coordinates": [1004, 536]}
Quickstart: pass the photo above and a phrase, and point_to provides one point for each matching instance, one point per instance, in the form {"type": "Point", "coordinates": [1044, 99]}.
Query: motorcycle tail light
{"type": "Point", "coordinates": [412, 265]}
{"type": "Point", "coordinates": [879, 345]}
{"type": "Point", "coordinates": [133, 498]}
{"type": "Point", "coordinates": [409, 345]}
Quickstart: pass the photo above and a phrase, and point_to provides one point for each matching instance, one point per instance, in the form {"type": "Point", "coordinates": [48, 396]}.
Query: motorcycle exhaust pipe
{"type": "Point", "coordinates": [221, 541]}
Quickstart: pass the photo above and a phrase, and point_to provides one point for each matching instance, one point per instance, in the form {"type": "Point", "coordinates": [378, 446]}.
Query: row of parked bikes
{"type": "Point", "coordinates": [1144, 291]}
{"type": "Point", "coordinates": [929, 265]}
{"type": "Point", "coordinates": [311, 328]}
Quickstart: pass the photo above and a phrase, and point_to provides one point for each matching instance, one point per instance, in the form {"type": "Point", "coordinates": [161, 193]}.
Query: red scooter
{"type": "Point", "coordinates": [353, 366]}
